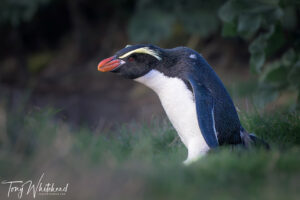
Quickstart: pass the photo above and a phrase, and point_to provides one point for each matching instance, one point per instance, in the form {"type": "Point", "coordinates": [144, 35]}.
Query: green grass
{"type": "Point", "coordinates": [145, 161]}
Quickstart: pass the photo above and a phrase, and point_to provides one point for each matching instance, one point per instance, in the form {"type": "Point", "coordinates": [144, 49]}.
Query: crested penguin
{"type": "Point", "coordinates": [192, 95]}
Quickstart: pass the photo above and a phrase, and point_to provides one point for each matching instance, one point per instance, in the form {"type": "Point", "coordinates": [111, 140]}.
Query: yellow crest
{"type": "Point", "coordinates": [145, 50]}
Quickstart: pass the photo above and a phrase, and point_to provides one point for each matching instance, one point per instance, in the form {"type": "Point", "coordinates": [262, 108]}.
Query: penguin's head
{"type": "Point", "coordinates": [133, 61]}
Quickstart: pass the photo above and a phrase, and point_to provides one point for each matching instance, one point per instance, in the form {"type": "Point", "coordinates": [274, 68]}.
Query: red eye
{"type": "Point", "coordinates": [130, 59]}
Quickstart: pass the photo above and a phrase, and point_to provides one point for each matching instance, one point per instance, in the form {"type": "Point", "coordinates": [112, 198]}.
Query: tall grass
{"type": "Point", "coordinates": [144, 161]}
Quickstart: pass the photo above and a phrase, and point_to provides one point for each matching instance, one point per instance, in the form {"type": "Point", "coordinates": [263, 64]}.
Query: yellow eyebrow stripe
{"type": "Point", "coordinates": [145, 50]}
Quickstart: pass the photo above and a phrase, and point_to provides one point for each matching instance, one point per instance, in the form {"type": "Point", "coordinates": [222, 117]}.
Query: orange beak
{"type": "Point", "coordinates": [109, 64]}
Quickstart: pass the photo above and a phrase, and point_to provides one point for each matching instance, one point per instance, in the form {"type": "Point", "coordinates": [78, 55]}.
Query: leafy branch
{"type": "Point", "coordinates": [271, 28]}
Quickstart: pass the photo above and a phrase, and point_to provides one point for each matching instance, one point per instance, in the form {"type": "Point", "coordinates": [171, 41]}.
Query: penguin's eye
{"type": "Point", "coordinates": [131, 59]}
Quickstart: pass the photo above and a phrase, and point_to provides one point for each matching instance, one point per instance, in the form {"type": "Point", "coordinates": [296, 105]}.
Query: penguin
{"type": "Point", "coordinates": [191, 93]}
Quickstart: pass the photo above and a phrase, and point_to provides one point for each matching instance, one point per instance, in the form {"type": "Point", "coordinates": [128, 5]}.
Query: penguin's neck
{"type": "Point", "coordinates": [169, 89]}
{"type": "Point", "coordinates": [155, 80]}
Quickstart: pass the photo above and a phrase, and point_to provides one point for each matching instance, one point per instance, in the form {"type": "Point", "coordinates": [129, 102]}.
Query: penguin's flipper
{"type": "Point", "coordinates": [205, 112]}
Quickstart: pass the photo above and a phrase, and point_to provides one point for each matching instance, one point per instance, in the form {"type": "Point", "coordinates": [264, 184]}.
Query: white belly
{"type": "Point", "coordinates": [180, 107]}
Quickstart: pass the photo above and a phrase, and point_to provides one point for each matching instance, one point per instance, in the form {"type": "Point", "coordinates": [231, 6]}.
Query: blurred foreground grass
{"type": "Point", "coordinates": [145, 161]}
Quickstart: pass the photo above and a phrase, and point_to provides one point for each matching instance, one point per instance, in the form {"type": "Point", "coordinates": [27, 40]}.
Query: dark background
{"type": "Point", "coordinates": [50, 50]}
{"type": "Point", "coordinates": [108, 137]}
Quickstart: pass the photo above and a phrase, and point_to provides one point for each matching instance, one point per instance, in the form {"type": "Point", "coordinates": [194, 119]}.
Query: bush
{"type": "Point", "coordinates": [269, 26]}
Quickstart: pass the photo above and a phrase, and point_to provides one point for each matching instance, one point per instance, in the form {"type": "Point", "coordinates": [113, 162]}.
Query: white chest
{"type": "Point", "coordinates": [178, 103]}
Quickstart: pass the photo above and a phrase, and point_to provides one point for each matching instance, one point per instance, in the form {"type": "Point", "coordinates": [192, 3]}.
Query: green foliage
{"type": "Point", "coordinates": [16, 11]}
{"type": "Point", "coordinates": [280, 129]}
{"type": "Point", "coordinates": [154, 21]}
{"type": "Point", "coordinates": [282, 74]}
{"type": "Point", "coordinates": [142, 23]}
{"type": "Point", "coordinates": [261, 21]}
{"type": "Point", "coordinates": [25, 131]}
{"type": "Point", "coordinates": [270, 27]}
{"type": "Point", "coordinates": [266, 24]}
